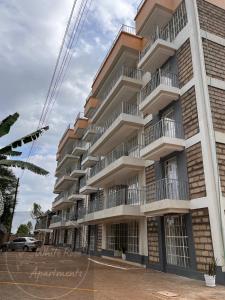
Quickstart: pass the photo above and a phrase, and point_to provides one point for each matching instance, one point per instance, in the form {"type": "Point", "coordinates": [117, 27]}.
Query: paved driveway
{"type": "Point", "coordinates": [56, 274]}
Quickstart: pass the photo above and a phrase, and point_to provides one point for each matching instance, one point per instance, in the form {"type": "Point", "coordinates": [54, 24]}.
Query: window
{"type": "Point", "coordinates": [176, 240]}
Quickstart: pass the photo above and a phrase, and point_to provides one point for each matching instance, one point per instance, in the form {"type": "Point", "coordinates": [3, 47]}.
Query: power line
{"type": "Point", "coordinates": [59, 68]}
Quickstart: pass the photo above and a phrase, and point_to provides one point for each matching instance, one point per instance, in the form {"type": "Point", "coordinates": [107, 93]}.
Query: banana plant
{"type": "Point", "coordinates": [9, 150]}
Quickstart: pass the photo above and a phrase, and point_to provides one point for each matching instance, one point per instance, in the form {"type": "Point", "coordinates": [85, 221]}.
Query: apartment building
{"type": "Point", "coordinates": [154, 166]}
{"type": "Point", "coordinates": [68, 204]}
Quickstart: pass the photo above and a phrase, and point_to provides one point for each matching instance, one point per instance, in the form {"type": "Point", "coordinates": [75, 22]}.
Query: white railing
{"type": "Point", "coordinates": [122, 108]}
{"type": "Point", "coordinates": [163, 128]}
{"type": "Point", "coordinates": [166, 188]}
{"type": "Point", "coordinates": [159, 77]}
{"type": "Point", "coordinates": [119, 151]}
{"type": "Point", "coordinates": [170, 31]}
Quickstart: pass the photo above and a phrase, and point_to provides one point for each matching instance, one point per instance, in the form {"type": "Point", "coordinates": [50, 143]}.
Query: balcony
{"type": "Point", "coordinates": [79, 148]}
{"type": "Point", "coordinates": [162, 139]}
{"type": "Point", "coordinates": [123, 121]}
{"type": "Point", "coordinates": [80, 125]}
{"type": "Point", "coordinates": [88, 160]}
{"type": "Point", "coordinates": [160, 91]}
{"type": "Point", "coordinates": [77, 172]}
{"type": "Point", "coordinates": [113, 169]}
{"type": "Point", "coordinates": [127, 45]}
{"type": "Point", "coordinates": [161, 45]}
{"type": "Point", "coordinates": [86, 189]}
{"type": "Point", "coordinates": [73, 194]}
{"type": "Point", "coordinates": [124, 83]}
{"type": "Point", "coordinates": [91, 106]}
{"type": "Point", "coordinates": [151, 13]}
{"type": "Point", "coordinates": [157, 52]}
{"type": "Point", "coordinates": [65, 160]}
{"type": "Point", "coordinates": [61, 202]}
{"type": "Point", "coordinates": [64, 181]}
{"type": "Point", "coordinates": [116, 206]}
{"type": "Point", "coordinates": [56, 222]}
{"type": "Point", "coordinates": [166, 196]}
{"type": "Point", "coordinates": [91, 131]}
{"type": "Point", "coordinates": [67, 138]}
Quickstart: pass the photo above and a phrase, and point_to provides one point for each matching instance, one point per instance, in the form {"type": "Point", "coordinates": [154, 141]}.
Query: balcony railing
{"type": "Point", "coordinates": [171, 30]}
{"type": "Point", "coordinates": [81, 212]}
{"type": "Point", "coordinates": [124, 196]}
{"type": "Point", "coordinates": [124, 28]}
{"type": "Point", "coordinates": [123, 108]}
{"type": "Point", "coordinates": [83, 182]}
{"type": "Point", "coordinates": [79, 143]}
{"type": "Point", "coordinates": [73, 190]}
{"type": "Point", "coordinates": [164, 128]}
{"type": "Point", "coordinates": [159, 77]}
{"type": "Point", "coordinates": [121, 150]}
{"type": "Point", "coordinates": [56, 219]}
{"type": "Point", "coordinates": [66, 172]}
{"type": "Point", "coordinates": [166, 188]}
{"type": "Point", "coordinates": [96, 204]}
{"type": "Point", "coordinates": [123, 71]}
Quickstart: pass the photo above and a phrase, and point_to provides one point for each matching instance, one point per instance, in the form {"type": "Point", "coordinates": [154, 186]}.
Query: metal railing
{"type": "Point", "coordinates": [123, 108]}
{"type": "Point", "coordinates": [170, 31]}
{"type": "Point", "coordinates": [164, 128]}
{"type": "Point", "coordinates": [79, 143]}
{"type": "Point", "coordinates": [67, 172]}
{"type": "Point", "coordinates": [167, 189]}
{"type": "Point", "coordinates": [81, 212]}
{"type": "Point", "coordinates": [73, 190]}
{"type": "Point", "coordinates": [56, 219]}
{"type": "Point", "coordinates": [119, 151]}
{"type": "Point", "coordinates": [124, 196]}
{"type": "Point", "coordinates": [83, 182]}
{"type": "Point", "coordinates": [123, 71]}
{"type": "Point", "coordinates": [159, 77]}
{"type": "Point", "coordinates": [123, 28]}
{"type": "Point", "coordinates": [95, 204]}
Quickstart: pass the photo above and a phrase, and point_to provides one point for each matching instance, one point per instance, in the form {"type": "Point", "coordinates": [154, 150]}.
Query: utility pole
{"type": "Point", "coordinates": [14, 205]}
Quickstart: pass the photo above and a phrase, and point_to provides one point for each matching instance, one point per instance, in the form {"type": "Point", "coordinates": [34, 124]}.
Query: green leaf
{"type": "Point", "coordinates": [6, 124]}
{"type": "Point", "coordinates": [24, 165]}
{"type": "Point", "coordinates": [24, 140]}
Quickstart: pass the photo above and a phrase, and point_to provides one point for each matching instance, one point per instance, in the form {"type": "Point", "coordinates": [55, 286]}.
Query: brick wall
{"type": "Point", "coordinates": [184, 63]}
{"type": "Point", "coordinates": [214, 59]}
{"type": "Point", "coordinates": [211, 18]}
{"type": "Point", "coordinates": [202, 238]}
{"type": "Point", "coordinates": [99, 241]}
{"type": "Point", "coordinates": [189, 113]}
{"type": "Point", "coordinates": [150, 174]}
{"type": "Point", "coordinates": [217, 101]}
{"type": "Point", "coordinates": [195, 171]}
{"type": "Point", "coordinates": [153, 240]}
{"type": "Point", "coordinates": [220, 149]}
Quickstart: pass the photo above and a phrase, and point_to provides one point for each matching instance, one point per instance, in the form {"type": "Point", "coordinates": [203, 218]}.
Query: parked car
{"type": "Point", "coordinates": [22, 243]}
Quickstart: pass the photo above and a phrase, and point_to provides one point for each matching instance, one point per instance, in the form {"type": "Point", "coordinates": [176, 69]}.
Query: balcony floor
{"type": "Point", "coordinates": [122, 127]}
{"type": "Point", "coordinates": [166, 206]}
{"type": "Point", "coordinates": [117, 213]}
{"type": "Point", "coordinates": [64, 183]}
{"type": "Point", "coordinates": [159, 52]}
{"type": "Point", "coordinates": [87, 190]}
{"type": "Point", "coordinates": [158, 99]}
{"type": "Point", "coordinates": [162, 147]}
{"type": "Point", "coordinates": [116, 172]}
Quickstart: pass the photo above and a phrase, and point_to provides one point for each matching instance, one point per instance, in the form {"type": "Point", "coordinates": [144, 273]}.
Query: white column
{"type": "Point", "coordinates": [206, 131]}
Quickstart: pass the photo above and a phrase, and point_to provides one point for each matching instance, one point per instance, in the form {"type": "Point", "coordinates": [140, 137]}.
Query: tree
{"type": "Point", "coordinates": [36, 211]}
{"type": "Point", "coordinates": [8, 150]}
{"type": "Point", "coordinates": [23, 230]}
{"type": "Point", "coordinates": [30, 227]}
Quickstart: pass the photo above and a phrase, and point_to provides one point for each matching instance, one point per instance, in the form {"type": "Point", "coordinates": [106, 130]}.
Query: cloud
{"type": "Point", "coordinates": [30, 37]}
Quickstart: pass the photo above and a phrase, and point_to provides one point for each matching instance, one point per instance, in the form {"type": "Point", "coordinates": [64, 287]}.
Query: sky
{"type": "Point", "coordinates": [31, 33]}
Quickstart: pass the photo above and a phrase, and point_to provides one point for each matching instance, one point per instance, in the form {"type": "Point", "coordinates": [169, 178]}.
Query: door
{"type": "Point", "coordinates": [65, 236]}
{"type": "Point", "coordinates": [168, 123]}
{"type": "Point", "coordinates": [171, 179]}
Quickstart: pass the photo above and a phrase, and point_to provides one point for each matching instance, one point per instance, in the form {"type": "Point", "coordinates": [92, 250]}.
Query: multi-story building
{"type": "Point", "coordinates": [42, 231]}
{"type": "Point", "coordinates": [155, 165]}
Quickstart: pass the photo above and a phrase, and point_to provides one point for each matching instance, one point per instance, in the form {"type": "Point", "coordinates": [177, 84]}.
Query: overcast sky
{"type": "Point", "coordinates": [31, 32]}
